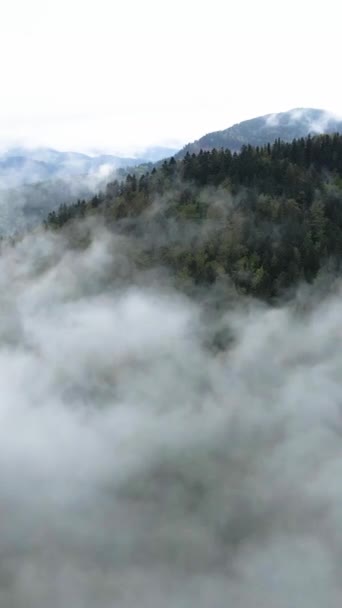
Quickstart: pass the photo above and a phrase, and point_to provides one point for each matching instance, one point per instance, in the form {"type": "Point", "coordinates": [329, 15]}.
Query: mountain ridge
{"type": "Point", "coordinates": [261, 130]}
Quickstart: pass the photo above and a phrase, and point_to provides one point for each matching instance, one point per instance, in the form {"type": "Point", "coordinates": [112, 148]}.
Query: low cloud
{"type": "Point", "coordinates": [310, 120]}
{"type": "Point", "coordinates": [139, 467]}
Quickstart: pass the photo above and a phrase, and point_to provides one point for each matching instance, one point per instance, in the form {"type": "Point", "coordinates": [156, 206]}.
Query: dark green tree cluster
{"type": "Point", "coordinates": [267, 217]}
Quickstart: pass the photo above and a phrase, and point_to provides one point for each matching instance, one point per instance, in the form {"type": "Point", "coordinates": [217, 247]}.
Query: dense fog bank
{"type": "Point", "coordinates": [142, 466]}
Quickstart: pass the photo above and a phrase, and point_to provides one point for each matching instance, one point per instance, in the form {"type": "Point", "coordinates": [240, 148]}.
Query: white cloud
{"type": "Point", "coordinates": [134, 461]}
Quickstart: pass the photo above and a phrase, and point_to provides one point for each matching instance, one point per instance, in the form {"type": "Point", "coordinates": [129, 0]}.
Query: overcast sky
{"type": "Point", "coordinates": [120, 75]}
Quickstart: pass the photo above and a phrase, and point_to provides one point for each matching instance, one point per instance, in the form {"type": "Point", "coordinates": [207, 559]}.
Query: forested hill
{"type": "Point", "coordinates": [258, 131]}
{"type": "Point", "coordinates": [266, 218]}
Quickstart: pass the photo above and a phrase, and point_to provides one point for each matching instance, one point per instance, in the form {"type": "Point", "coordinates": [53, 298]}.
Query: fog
{"type": "Point", "coordinates": [140, 466]}
{"type": "Point", "coordinates": [315, 121]}
{"type": "Point", "coordinates": [26, 206]}
{"type": "Point", "coordinates": [35, 181]}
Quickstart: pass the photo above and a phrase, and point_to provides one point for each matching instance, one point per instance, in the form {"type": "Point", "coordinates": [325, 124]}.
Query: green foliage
{"type": "Point", "coordinates": [266, 217]}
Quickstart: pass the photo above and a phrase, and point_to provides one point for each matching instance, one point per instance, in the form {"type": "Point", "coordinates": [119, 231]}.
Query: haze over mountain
{"type": "Point", "coordinates": [37, 180]}
{"type": "Point", "coordinates": [20, 166]}
{"type": "Point", "coordinates": [261, 130]}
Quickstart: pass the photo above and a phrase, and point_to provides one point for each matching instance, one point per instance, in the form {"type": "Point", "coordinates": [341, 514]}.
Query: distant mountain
{"type": "Point", "coordinates": [36, 181]}
{"type": "Point", "coordinates": [156, 153]}
{"type": "Point", "coordinates": [259, 131]}
{"type": "Point", "coordinates": [21, 166]}
{"type": "Point", "coordinates": [23, 207]}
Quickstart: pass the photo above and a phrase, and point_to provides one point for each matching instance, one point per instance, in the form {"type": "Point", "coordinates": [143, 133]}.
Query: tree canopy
{"type": "Point", "coordinates": [267, 217]}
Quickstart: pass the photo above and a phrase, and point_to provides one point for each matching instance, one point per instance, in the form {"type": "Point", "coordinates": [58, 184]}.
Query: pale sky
{"type": "Point", "coordinates": [121, 75]}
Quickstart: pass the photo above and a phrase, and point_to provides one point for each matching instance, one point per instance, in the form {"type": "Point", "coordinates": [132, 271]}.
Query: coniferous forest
{"type": "Point", "coordinates": [267, 218]}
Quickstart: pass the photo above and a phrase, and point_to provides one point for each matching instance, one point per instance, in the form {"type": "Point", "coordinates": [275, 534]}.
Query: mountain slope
{"type": "Point", "coordinates": [267, 218]}
{"type": "Point", "coordinates": [259, 131]}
